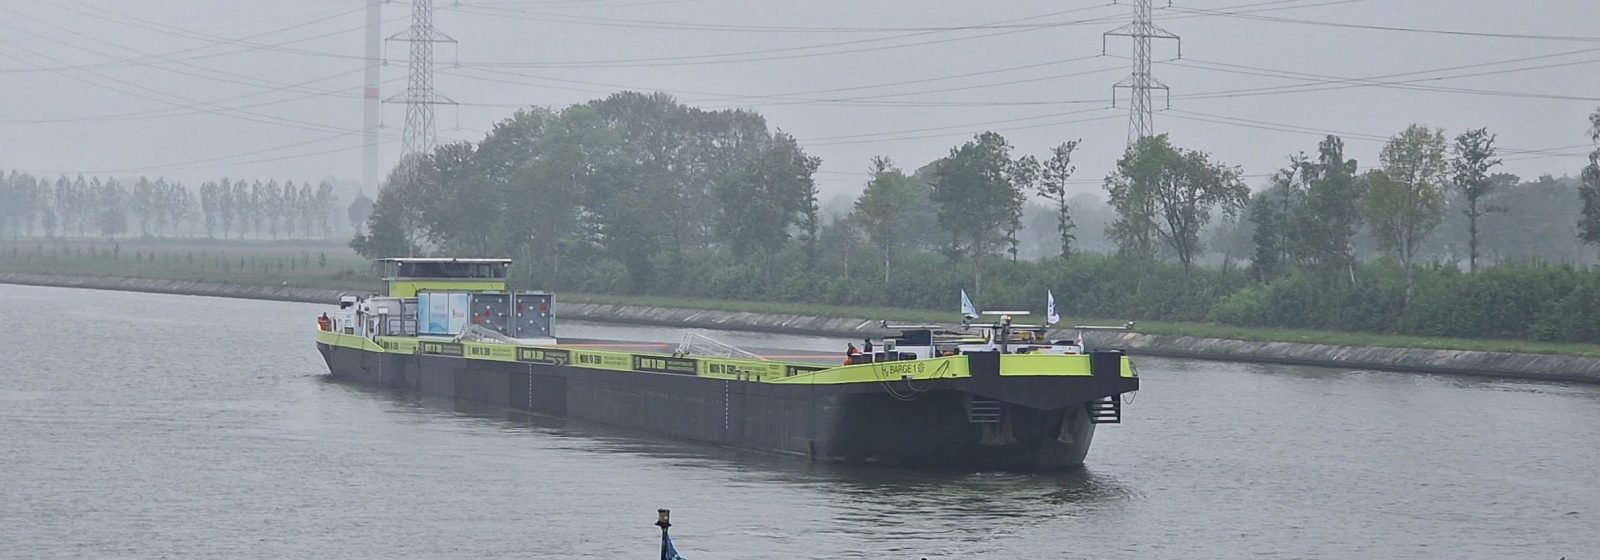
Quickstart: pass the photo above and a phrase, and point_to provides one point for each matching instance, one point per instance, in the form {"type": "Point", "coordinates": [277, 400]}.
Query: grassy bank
{"type": "Point", "coordinates": [270, 263]}
{"type": "Point", "coordinates": [1205, 330]}
{"type": "Point", "coordinates": [335, 266]}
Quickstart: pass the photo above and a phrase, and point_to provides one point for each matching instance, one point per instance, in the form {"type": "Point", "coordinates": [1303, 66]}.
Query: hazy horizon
{"type": "Point", "coordinates": [193, 90]}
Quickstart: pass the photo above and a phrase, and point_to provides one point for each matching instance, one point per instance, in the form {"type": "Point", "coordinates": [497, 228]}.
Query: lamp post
{"type": "Point", "coordinates": [664, 520]}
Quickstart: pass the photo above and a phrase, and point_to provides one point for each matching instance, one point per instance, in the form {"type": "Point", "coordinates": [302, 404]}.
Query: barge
{"type": "Point", "coordinates": [994, 395]}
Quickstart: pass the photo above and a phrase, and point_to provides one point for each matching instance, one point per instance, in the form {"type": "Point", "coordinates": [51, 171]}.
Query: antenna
{"type": "Point", "coordinates": [1141, 120]}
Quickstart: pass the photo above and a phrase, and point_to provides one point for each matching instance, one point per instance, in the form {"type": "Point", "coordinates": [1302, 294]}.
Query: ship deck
{"type": "Point", "coordinates": [808, 357]}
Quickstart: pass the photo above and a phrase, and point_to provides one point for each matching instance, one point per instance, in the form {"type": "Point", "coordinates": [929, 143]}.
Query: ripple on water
{"type": "Point", "coordinates": [142, 443]}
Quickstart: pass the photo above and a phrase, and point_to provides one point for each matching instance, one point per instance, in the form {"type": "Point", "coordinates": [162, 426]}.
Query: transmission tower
{"type": "Point", "coordinates": [419, 96]}
{"type": "Point", "coordinates": [1141, 120]}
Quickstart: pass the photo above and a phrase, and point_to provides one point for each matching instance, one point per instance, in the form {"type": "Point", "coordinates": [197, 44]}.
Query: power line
{"type": "Point", "coordinates": [965, 126]}
{"type": "Point", "coordinates": [963, 133]}
{"type": "Point", "coordinates": [775, 99]}
{"type": "Point", "coordinates": [229, 77]}
{"type": "Point", "coordinates": [1576, 38]}
{"type": "Point", "coordinates": [191, 109]}
{"type": "Point", "coordinates": [714, 27]}
{"type": "Point", "coordinates": [154, 93]}
{"type": "Point", "coordinates": [1339, 82]}
{"type": "Point", "coordinates": [166, 56]}
{"type": "Point", "coordinates": [1291, 128]}
{"type": "Point", "coordinates": [762, 55]}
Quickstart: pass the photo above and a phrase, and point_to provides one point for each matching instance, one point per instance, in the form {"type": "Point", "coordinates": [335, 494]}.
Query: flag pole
{"type": "Point", "coordinates": [664, 520]}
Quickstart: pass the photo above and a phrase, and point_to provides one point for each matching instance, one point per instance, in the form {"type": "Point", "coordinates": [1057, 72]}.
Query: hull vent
{"type": "Point", "coordinates": [981, 411]}
{"type": "Point", "coordinates": [1105, 410]}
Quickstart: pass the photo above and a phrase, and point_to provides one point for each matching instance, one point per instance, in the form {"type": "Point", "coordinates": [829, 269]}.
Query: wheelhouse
{"type": "Point", "coordinates": [405, 276]}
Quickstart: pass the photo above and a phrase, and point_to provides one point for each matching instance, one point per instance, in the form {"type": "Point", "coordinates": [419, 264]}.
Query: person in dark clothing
{"type": "Point", "coordinates": [866, 345]}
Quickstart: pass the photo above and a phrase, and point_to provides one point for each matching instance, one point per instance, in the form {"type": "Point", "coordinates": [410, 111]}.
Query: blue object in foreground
{"type": "Point", "coordinates": [667, 551]}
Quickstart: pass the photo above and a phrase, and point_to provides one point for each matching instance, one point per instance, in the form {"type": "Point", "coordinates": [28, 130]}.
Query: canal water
{"type": "Point", "coordinates": [152, 426]}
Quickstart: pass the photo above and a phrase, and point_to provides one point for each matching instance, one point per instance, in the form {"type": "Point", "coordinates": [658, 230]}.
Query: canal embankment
{"type": "Point", "coordinates": [1519, 365]}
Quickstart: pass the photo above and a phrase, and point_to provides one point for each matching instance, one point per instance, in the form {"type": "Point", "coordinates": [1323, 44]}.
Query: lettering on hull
{"type": "Point", "coordinates": [442, 348]}
{"type": "Point", "coordinates": [791, 371]}
{"type": "Point", "coordinates": [544, 356]}
{"type": "Point", "coordinates": [663, 364]}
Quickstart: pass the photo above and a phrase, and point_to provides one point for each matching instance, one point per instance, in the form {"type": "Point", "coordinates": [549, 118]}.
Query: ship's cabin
{"type": "Point", "coordinates": [405, 276]}
{"type": "Point", "coordinates": [453, 298]}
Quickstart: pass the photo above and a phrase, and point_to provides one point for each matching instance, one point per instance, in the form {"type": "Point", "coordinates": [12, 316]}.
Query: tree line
{"type": "Point", "coordinates": [632, 181]}
{"type": "Point", "coordinates": [111, 207]}
{"type": "Point", "coordinates": [638, 193]}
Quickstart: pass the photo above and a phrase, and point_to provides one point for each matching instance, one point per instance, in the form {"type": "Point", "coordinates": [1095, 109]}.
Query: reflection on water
{"type": "Point", "coordinates": [159, 426]}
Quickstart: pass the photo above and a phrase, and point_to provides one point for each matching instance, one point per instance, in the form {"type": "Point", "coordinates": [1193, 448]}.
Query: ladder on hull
{"type": "Point", "coordinates": [983, 411]}
{"type": "Point", "coordinates": [1105, 410]}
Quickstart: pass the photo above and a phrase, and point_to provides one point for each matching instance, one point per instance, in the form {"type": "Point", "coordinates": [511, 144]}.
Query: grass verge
{"type": "Point", "coordinates": [328, 266]}
{"type": "Point", "coordinates": [1204, 330]}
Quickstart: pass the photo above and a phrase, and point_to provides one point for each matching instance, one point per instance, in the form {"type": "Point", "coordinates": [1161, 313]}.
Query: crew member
{"type": "Point", "coordinates": [850, 353]}
{"type": "Point", "coordinates": [866, 345]}
{"type": "Point", "coordinates": [324, 323]}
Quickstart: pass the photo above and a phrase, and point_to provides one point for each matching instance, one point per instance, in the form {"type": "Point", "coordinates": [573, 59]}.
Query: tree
{"type": "Point", "coordinates": [324, 207]}
{"type": "Point", "coordinates": [208, 207]}
{"type": "Point", "coordinates": [289, 207]}
{"type": "Point", "coordinates": [8, 203]}
{"type": "Point", "coordinates": [771, 193]}
{"type": "Point", "coordinates": [1589, 188]}
{"type": "Point", "coordinates": [1405, 200]}
{"type": "Point", "coordinates": [1166, 193]}
{"type": "Point", "coordinates": [393, 227]}
{"type": "Point", "coordinates": [358, 211]}
{"type": "Point", "coordinates": [82, 204]}
{"type": "Point", "coordinates": [1330, 214]}
{"type": "Point", "coordinates": [144, 204]}
{"type": "Point", "coordinates": [1272, 213]}
{"type": "Point", "coordinates": [462, 208]}
{"type": "Point", "coordinates": [111, 197]}
{"type": "Point", "coordinates": [1474, 157]}
{"type": "Point", "coordinates": [49, 215]}
{"type": "Point", "coordinates": [226, 206]}
{"type": "Point", "coordinates": [307, 208]}
{"type": "Point", "coordinates": [880, 208]}
{"type": "Point", "coordinates": [1058, 168]}
{"type": "Point", "coordinates": [64, 203]}
{"type": "Point", "coordinates": [546, 191]}
{"type": "Point", "coordinates": [263, 200]}
{"type": "Point", "coordinates": [32, 201]}
{"type": "Point", "coordinates": [269, 206]}
{"type": "Point", "coordinates": [1309, 215]}
{"type": "Point", "coordinates": [174, 207]}
{"type": "Point", "coordinates": [810, 221]}
{"type": "Point", "coordinates": [1027, 175]}
{"type": "Point", "coordinates": [980, 190]}
{"type": "Point", "coordinates": [244, 206]}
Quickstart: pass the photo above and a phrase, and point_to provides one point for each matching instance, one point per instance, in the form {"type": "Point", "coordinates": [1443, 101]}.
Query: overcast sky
{"type": "Point", "coordinates": [196, 90]}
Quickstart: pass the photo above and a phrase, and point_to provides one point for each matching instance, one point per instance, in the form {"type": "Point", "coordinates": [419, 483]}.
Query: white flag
{"type": "Point", "coordinates": [967, 310]}
{"type": "Point", "coordinates": [1050, 316]}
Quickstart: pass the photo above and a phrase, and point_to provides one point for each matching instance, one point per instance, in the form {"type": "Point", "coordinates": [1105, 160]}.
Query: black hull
{"type": "Point", "coordinates": [925, 426]}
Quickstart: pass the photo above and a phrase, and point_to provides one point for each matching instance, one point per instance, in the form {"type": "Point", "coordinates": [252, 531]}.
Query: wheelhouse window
{"type": "Point", "coordinates": [445, 269]}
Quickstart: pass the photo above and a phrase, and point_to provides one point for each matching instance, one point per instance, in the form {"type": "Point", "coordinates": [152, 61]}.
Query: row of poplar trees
{"type": "Point", "coordinates": [110, 207]}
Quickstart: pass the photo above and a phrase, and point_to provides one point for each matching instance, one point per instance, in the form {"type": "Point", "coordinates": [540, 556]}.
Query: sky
{"type": "Point", "coordinates": [197, 90]}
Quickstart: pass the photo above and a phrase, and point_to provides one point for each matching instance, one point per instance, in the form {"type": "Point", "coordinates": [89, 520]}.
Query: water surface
{"type": "Point", "coordinates": [147, 426]}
